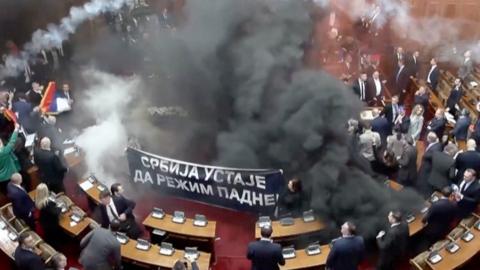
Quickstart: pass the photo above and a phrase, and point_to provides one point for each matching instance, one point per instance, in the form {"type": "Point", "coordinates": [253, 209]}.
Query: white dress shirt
{"type": "Point", "coordinates": [378, 86]}
{"type": "Point", "coordinates": [112, 211]}
{"type": "Point", "coordinates": [430, 73]}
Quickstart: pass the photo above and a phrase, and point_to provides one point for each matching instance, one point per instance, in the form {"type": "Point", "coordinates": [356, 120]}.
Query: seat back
{"type": "Point", "coordinates": [7, 212]}
{"type": "Point", "coordinates": [47, 252]}
{"type": "Point", "coordinates": [468, 222]}
{"type": "Point", "coordinates": [19, 225]}
{"type": "Point", "coordinates": [420, 261]}
{"type": "Point", "coordinates": [456, 233]}
{"type": "Point", "coordinates": [440, 244]}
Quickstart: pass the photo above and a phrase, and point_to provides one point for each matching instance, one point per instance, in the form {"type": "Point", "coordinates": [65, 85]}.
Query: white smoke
{"type": "Point", "coordinates": [56, 34]}
{"type": "Point", "coordinates": [107, 99]}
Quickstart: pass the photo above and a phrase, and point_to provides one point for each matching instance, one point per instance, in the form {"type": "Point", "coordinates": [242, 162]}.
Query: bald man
{"type": "Point", "coordinates": [51, 168]}
{"type": "Point", "coordinates": [22, 204]}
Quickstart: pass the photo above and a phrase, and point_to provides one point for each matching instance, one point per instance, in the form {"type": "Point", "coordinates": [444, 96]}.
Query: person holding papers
{"type": "Point", "coordinates": [468, 193]}
{"type": "Point", "coordinates": [393, 242]}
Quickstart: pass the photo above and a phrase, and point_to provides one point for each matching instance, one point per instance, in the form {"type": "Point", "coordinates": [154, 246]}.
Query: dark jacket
{"type": "Point", "coordinates": [49, 219]}
{"type": "Point", "coordinates": [443, 170]}
{"type": "Point", "coordinates": [27, 260]}
{"type": "Point", "coordinates": [291, 202]}
{"type": "Point", "coordinates": [265, 255]}
{"type": "Point", "coordinates": [407, 173]}
{"type": "Point", "coordinates": [26, 117]}
{"type": "Point", "coordinates": [471, 197]}
{"type": "Point", "coordinates": [372, 90]}
{"type": "Point", "coordinates": [454, 98]}
{"type": "Point", "coordinates": [439, 219]}
{"type": "Point", "coordinates": [437, 125]}
{"type": "Point", "coordinates": [422, 100]}
{"type": "Point", "coordinates": [51, 169]}
{"type": "Point", "coordinates": [357, 89]}
{"type": "Point", "coordinates": [346, 253]}
{"type": "Point", "coordinates": [426, 167]}
{"type": "Point", "coordinates": [123, 206]}
{"type": "Point", "coordinates": [393, 246]}
{"type": "Point", "coordinates": [460, 131]}
{"type": "Point", "coordinates": [381, 125]}
{"type": "Point", "coordinates": [401, 80]}
{"type": "Point", "coordinates": [433, 77]}
{"type": "Point", "coordinates": [467, 160]}
{"type": "Point", "coordinates": [22, 204]}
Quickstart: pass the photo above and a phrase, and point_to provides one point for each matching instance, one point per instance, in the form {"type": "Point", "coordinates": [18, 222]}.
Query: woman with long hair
{"type": "Point", "coordinates": [416, 122]}
{"type": "Point", "coordinates": [49, 215]}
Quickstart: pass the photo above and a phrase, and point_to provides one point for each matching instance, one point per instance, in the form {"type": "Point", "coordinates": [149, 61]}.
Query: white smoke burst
{"type": "Point", "coordinates": [56, 34]}
{"type": "Point", "coordinates": [107, 100]}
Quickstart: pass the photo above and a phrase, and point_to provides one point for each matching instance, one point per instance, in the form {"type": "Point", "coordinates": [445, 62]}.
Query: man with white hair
{"type": "Point", "coordinates": [50, 166]}
{"type": "Point", "coordinates": [467, 159]}
{"type": "Point", "coordinates": [466, 68]}
{"type": "Point", "coordinates": [22, 205]}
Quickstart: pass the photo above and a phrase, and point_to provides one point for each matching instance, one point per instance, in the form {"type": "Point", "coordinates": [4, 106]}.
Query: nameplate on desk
{"type": "Point", "coordinates": [3, 225]}
{"type": "Point", "coordinates": [467, 237]}
{"type": "Point", "coordinates": [434, 258]}
{"type": "Point", "coordinates": [76, 218]}
{"type": "Point", "coordinates": [288, 221]}
{"type": "Point", "coordinates": [313, 250]}
{"type": "Point", "coordinates": [424, 210]}
{"type": "Point", "coordinates": [477, 225]}
{"type": "Point", "coordinates": [86, 185]}
{"type": "Point", "coordinates": [308, 216]}
{"type": "Point", "coordinates": [200, 221]}
{"type": "Point", "coordinates": [121, 238]}
{"type": "Point", "coordinates": [410, 218]}
{"type": "Point", "coordinates": [288, 253]}
{"type": "Point", "coordinates": [143, 245]}
{"type": "Point", "coordinates": [434, 198]}
{"type": "Point", "coordinates": [166, 249]}
{"type": "Point", "coordinates": [13, 236]}
{"type": "Point", "coordinates": [191, 253]}
{"type": "Point", "coordinates": [264, 221]}
{"type": "Point", "coordinates": [101, 187]}
{"type": "Point", "coordinates": [158, 213]}
{"type": "Point", "coordinates": [69, 150]}
{"type": "Point", "coordinates": [452, 247]}
{"type": "Point", "coordinates": [178, 217]}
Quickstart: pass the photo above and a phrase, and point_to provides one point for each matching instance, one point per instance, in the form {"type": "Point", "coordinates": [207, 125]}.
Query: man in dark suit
{"type": "Point", "coordinates": [414, 64]}
{"type": "Point", "coordinates": [125, 210]}
{"type": "Point", "coordinates": [440, 217]}
{"type": "Point", "coordinates": [264, 254]}
{"type": "Point", "coordinates": [22, 204]}
{"type": "Point", "coordinates": [433, 74]}
{"type": "Point", "coordinates": [438, 123]}
{"type": "Point", "coordinates": [399, 55]}
{"type": "Point", "coordinates": [52, 171]}
{"type": "Point", "coordinates": [346, 252]}
{"type": "Point", "coordinates": [443, 168]}
{"type": "Point", "coordinates": [400, 80]}
{"type": "Point", "coordinates": [467, 159]}
{"type": "Point", "coordinates": [360, 86]}
{"type": "Point", "coordinates": [118, 209]}
{"type": "Point", "coordinates": [460, 131]}
{"type": "Point", "coordinates": [392, 243]}
{"type": "Point", "coordinates": [454, 98]}
{"type": "Point", "coordinates": [380, 125]}
{"type": "Point", "coordinates": [425, 169]}
{"type": "Point", "coordinates": [26, 257]}
{"type": "Point", "coordinates": [468, 194]}
{"type": "Point", "coordinates": [407, 173]}
{"type": "Point", "coordinates": [391, 111]}
{"type": "Point", "coordinates": [375, 89]}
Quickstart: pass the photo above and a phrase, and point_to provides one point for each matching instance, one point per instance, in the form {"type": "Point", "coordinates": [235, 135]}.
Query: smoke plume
{"type": "Point", "coordinates": [55, 34]}
{"type": "Point", "coordinates": [106, 100]}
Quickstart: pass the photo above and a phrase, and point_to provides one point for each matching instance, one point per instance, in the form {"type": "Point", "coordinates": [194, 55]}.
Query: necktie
{"type": "Point", "coordinates": [398, 74]}
{"type": "Point", "coordinates": [114, 214]}
{"type": "Point", "coordinates": [362, 90]}
{"type": "Point", "coordinates": [463, 187]}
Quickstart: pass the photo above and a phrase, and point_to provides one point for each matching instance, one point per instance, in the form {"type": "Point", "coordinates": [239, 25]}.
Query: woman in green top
{"type": "Point", "coordinates": [8, 161]}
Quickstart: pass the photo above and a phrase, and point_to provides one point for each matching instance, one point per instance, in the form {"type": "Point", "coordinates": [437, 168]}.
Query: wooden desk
{"type": "Point", "coordinates": [6, 245]}
{"type": "Point", "coordinates": [394, 185]}
{"type": "Point", "coordinates": [152, 256]}
{"type": "Point", "coordinates": [64, 221]}
{"type": "Point", "coordinates": [298, 228]}
{"type": "Point", "coordinates": [302, 260]}
{"type": "Point", "coordinates": [186, 229]}
{"type": "Point", "coordinates": [73, 159]}
{"type": "Point", "coordinates": [416, 226]}
{"type": "Point", "coordinates": [463, 255]}
{"type": "Point", "coordinates": [93, 193]}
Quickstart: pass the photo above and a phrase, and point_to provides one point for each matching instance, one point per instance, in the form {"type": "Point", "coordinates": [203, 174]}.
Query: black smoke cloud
{"type": "Point", "coordinates": [236, 66]}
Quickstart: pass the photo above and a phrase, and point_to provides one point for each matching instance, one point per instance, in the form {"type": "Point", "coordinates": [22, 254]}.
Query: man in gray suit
{"type": "Point", "coordinates": [443, 168]}
{"type": "Point", "coordinates": [101, 249]}
{"type": "Point", "coordinates": [407, 173]}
